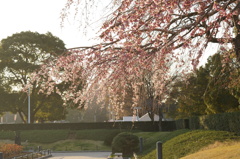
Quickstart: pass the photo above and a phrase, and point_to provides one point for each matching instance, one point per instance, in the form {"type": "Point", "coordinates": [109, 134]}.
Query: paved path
{"type": "Point", "coordinates": [81, 155]}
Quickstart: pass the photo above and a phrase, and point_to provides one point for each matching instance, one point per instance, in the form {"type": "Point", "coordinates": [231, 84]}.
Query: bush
{"type": "Point", "coordinates": [126, 143]}
{"type": "Point", "coordinates": [11, 149]}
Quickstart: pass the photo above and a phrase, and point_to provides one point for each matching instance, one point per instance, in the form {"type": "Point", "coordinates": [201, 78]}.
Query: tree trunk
{"type": "Point", "coordinates": [149, 106]}
{"type": "Point", "coordinates": [151, 115]}
{"type": "Point", "coordinates": [17, 137]}
{"type": "Point", "coordinates": [22, 117]}
{"type": "Point", "coordinates": [236, 43]}
{"type": "Point", "coordinates": [160, 117]}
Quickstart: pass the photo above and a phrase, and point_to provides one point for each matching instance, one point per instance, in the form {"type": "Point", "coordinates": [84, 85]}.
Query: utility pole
{"type": "Point", "coordinates": [29, 110]}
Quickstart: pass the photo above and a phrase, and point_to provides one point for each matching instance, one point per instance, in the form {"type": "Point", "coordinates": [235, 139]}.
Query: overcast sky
{"type": "Point", "coordinates": [40, 16]}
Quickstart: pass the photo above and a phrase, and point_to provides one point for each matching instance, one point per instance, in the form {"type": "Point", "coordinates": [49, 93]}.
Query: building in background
{"type": "Point", "coordinates": [10, 118]}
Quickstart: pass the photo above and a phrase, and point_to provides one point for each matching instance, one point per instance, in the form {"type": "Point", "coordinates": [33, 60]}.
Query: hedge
{"type": "Point", "coordinates": [182, 124]}
{"type": "Point", "coordinates": [168, 125]}
{"type": "Point", "coordinates": [143, 126]}
{"type": "Point", "coordinates": [224, 122]}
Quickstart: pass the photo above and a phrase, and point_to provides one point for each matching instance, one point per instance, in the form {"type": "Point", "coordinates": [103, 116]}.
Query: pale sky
{"type": "Point", "coordinates": [40, 16]}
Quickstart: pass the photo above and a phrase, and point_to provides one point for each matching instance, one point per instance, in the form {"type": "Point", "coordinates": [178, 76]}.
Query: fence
{"type": "Point", "coordinates": [143, 126]}
{"type": "Point", "coordinates": [34, 155]}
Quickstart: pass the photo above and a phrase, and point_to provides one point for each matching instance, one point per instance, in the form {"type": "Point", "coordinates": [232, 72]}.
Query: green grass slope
{"type": "Point", "coordinates": [150, 138]}
{"type": "Point", "coordinates": [218, 150]}
{"type": "Point", "coordinates": [190, 142]}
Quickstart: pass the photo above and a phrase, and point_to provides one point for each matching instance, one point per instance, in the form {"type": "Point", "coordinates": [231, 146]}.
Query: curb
{"type": "Point", "coordinates": [45, 157]}
{"type": "Point", "coordinates": [76, 151]}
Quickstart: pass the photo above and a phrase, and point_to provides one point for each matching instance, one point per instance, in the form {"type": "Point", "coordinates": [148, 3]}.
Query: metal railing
{"type": "Point", "coordinates": [34, 155]}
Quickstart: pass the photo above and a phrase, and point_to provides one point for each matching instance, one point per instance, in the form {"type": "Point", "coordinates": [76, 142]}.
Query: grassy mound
{"type": "Point", "coordinates": [191, 142]}
{"type": "Point", "coordinates": [218, 150]}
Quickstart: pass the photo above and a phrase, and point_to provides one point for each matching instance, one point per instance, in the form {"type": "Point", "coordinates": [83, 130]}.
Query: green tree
{"type": "Point", "coordinates": [185, 98]}
{"type": "Point", "coordinates": [52, 109]}
{"type": "Point", "coordinates": [233, 69]}
{"type": "Point", "coordinates": [3, 96]}
{"type": "Point", "coordinates": [217, 96]}
{"type": "Point", "coordinates": [20, 55]}
{"type": "Point", "coordinates": [204, 92]}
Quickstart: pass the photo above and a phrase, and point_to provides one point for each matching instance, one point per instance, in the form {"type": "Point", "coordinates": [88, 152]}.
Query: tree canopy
{"type": "Point", "coordinates": [158, 36]}
{"type": "Point", "coordinates": [20, 55]}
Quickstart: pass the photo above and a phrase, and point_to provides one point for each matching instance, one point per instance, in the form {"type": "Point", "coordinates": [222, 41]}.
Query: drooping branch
{"type": "Point", "coordinates": [159, 36]}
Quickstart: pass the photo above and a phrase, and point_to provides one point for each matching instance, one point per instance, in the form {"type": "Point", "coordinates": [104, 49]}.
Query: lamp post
{"type": "Point", "coordinates": [137, 108]}
{"type": "Point", "coordinates": [29, 105]}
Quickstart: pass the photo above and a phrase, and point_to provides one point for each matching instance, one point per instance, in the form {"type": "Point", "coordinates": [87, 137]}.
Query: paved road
{"type": "Point", "coordinates": [81, 155]}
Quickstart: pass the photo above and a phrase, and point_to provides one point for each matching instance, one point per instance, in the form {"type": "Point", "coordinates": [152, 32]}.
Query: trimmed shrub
{"type": "Point", "coordinates": [126, 143]}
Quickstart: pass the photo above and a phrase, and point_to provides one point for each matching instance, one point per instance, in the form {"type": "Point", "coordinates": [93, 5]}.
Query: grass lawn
{"type": "Point", "coordinates": [71, 145]}
{"type": "Point", "coordinates": [62, 140]}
